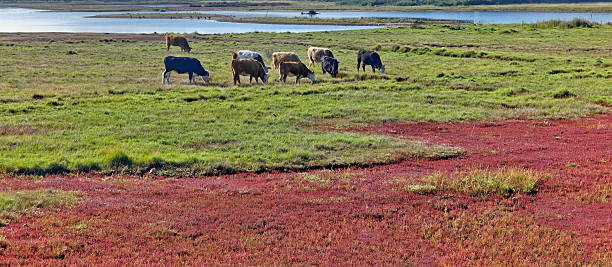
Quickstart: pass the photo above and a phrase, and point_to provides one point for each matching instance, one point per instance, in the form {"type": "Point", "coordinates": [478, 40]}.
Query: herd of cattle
{"type": "Point", "coordinates": [249, 63]}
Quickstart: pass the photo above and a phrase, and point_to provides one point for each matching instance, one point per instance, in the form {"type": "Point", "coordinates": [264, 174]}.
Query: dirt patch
{"type": "Point", "coordinates": [72, 37]}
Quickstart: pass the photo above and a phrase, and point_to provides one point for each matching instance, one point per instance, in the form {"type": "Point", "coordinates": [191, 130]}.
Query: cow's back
{"type": "Point", "coordinates": [183, 64]}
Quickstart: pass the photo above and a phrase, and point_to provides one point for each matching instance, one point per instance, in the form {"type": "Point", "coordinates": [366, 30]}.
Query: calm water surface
{"type": "Point", "coordinates": [29, 20]}
{"type": "Point", "coordinates": [483, 17]}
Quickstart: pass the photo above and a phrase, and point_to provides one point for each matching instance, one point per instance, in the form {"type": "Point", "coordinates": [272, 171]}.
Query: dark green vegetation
{"type": "Point", "coordinates": [99, 104]}
{"type": "Point", "coordinates": [14, 204]}
{"type": "Point", "coordinates": [450, 2]}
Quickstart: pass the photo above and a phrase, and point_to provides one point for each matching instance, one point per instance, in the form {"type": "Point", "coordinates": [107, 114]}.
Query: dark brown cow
{"type": "Point", "coordinates": [298, 69]}
{"type": "Point", "coordinates": [248, 67]}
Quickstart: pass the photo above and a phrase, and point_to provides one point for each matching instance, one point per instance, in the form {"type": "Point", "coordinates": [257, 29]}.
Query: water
{"type": "Point", "coordinates": [29, 20]}
{"type": "Point", "coordinates": [482, 17]}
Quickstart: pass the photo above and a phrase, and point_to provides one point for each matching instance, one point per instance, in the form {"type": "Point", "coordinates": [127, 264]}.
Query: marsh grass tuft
{"type": "Point", "coordinates": [117, 158]}
{"type": "Point", "coordinates": [555, 23]}
{"type": "Point", "coordinates": [563, 93]}
{"type": "Point", "coordinates": [484, 182]}
{"type": "Point", "coordinates": [14, 204]}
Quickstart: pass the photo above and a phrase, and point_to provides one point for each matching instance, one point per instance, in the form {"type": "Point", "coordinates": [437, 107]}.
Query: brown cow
{"type": "Point", "coordinates": [248, 67]}
{"type": "Point", "coordinates": [177, 40]}
{"type": "Point", "coordinates": [316, 54]}
{"type": "Point", "coordinates": [279, 57]}
{"type": "Point", "coordinates": [298, 69]}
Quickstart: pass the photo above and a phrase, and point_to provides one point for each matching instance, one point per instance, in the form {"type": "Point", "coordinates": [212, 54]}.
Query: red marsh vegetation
{"type": "Point", "coordinates": [417, 212]}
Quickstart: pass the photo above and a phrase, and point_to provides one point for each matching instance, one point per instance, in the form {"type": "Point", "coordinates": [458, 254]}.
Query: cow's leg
{"type": "Point", "coordinates": [363, 66]}
{"type": "Point", "coordinates": [164, 77]}
{"type": "Point", "coordinates": [358, 63]}
{"type": "Point", "coordinates": [190, 77]}
{"type": "Point", "coordinates": [297, 79]}
{"type": "Point", "coordinates": [167, 77]}
{"type": "Point", "coordinates": [373, 69]}
{"type": "Point", "coordinates": [236, 78]}
{"type": "Point", "coordinates": [251, 79]}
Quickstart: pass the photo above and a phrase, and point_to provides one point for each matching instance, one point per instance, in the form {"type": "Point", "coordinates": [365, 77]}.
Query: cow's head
{"type": "Point", "coordinates": [267, 69]}
{"type": "Point", "coordinates": [311, 76]}
{"type": "Point", "coordinates": [205, 76]}
{"type": "Point", "coordinates": [187, 48]}
{"type": "Point", "coordinates": [382, 69]}
{"type": "Point", "coordinates": [334, 71]}
{"type": "Point", "coordinates": [265, 79]}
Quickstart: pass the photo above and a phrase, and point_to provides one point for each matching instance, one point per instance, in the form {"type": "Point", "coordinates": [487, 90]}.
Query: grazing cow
{"type": "Point", "coordinates": [248, 67]}
{"type": "Point", "coordinates": [177, 40]}
{"type": "Point", "coordinates": [316, 54]}
{"type": "Point", "coordinates": [329, 65]}
{"type": "Point", "coordinates": [279, 57]}
{"type": "Point", "coordinates": [298, 69]}
{"type": "Point", "coordinates": [369, 57]}
{"type": "Point", "coordinates": [246, 54]}
{"type": "Point", "coordinates": [184, 65]}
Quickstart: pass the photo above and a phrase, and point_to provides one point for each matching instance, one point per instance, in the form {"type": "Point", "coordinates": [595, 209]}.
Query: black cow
{"type": "Point", "coordinates": [369, 57]}
{"type": "Point", "coordinates": [329, 65]}
{"type": "Point", "coordinates": [184, 65]}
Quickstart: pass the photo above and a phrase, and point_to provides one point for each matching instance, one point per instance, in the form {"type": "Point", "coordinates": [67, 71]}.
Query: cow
{"type": "Point", "coordinates": [293, 68]}
{"type": "Point", "coordinates": [248, 67]}
{"type": "Point", "coordinates": [315, 54]}
{"type": "Point", "coordinates": [369, 57]}
{"type": "Point", "coordinates": [184, 65]}
{"type": "Point", "coordinates": [177, 40]}
{"type": "Point", "coordinates": [329, 65]}
{"type": "Point", "coordinates": [279, 57]}
{"type": "Point", "coordinates": [246, 54]}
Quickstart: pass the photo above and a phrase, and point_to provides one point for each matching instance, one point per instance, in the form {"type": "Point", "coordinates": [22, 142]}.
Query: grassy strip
{"type": "Point", "coordinates": [14, 204]}
{"type": "Point", "coordinates": [482, 182]}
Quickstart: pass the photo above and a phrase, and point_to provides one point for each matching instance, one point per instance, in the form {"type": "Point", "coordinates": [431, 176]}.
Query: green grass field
{"type": "Point", "coordinates": [99, 104]}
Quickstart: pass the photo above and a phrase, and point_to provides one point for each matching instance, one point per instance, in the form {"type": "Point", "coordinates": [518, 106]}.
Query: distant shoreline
{"type": "Point", "coordinates": [285, 20]}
